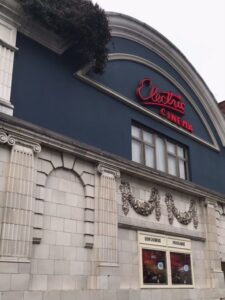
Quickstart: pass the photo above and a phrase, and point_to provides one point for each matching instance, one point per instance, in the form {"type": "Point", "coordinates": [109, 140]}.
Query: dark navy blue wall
{"type": "Point", "coordinates": [45, 92]}
{"type": "Point", "coordinates": [130, 74]}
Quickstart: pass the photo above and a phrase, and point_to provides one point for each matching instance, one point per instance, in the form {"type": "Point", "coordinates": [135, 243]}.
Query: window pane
{"type": "Point", "coordinates": [180, 152]}
{"type": "Point", "coordinates": [136, 151]}
{"type": "Point", "coordinates": [149, 156]}
{"type": "Point", "coordinates": [160, 155]}
{"type": "Point", "coordinates": [180, 268]}
{"type": "Point", "coordinates": [182, 169]}
{"type": "Point", "coordinates": [223, 268]}
{"type": "Point", "coordinates": [171, 148]}
{"type": "Point", "coordinates": [172, 165]}
{"type": "Point", "coordinates": [154, 267]}
{"type": "Point", "coordinates": [136, 132]}
{"type": "Point", "coordinates": [148, 137]}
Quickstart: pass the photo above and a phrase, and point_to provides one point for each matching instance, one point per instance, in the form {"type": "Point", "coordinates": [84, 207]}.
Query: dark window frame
{"type": "Point", "coordinates": [143, 144]}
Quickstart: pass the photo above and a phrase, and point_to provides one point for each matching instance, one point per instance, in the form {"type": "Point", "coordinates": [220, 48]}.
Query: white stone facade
{"type": "Point", "coordinates": [65, 233]}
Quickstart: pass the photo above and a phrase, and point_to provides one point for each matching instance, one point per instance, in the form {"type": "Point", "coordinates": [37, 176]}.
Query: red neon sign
{"type": "Point", "coordinates": [159, 98]}
{"type": "Point", "coordinates": [150, 95]}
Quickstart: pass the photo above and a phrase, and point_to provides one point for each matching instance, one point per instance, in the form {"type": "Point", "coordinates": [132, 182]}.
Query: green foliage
{"type": "Point", "coordinates": [78, 20]}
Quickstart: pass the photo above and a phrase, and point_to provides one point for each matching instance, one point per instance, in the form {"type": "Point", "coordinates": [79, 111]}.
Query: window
{"type": "Point", "coordinates": [154, 267]}
{"type": "Point", "coordinates": [159, 153]}
{"type": "Point", "coordinates": [223, 268]}
{"type": "Point", "coordinates": [180, 268]}
{"type": "Point", "coordinates": [165, 261]}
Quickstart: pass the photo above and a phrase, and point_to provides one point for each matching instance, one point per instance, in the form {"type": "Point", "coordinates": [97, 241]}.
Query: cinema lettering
{"type": "Point", "coordinates": [171, 106]}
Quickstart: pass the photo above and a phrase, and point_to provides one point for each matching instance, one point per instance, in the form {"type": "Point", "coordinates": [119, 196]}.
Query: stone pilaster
{"type": "Point", "coordinates": [107, 230]}
{"type": "Point", "coordinates": [16, 234]}
{"type": "Point", "coordinates": [107, 215]}
{"type": "Point", "coordinates": [215, 272]}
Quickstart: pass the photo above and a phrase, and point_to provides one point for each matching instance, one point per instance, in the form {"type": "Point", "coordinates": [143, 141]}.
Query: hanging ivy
{"type": "Point", "coordinates": [81, 21]}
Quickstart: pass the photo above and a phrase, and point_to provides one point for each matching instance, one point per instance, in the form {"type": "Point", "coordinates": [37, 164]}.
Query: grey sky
{"type": "Point", "coordinates": [196, 27]}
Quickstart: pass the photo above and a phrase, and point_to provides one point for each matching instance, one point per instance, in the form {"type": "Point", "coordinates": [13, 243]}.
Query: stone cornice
{"type": "Point", "coordinates": [8, 46]}
{"type": "Point", "coordinates": [12, 140]}
{"type": "Point", "coordinates": [102, 169]}
{"type": "Point", "coordinates": [12, 10]}
{"type": "Point", "coordinates": [184, 233]}
{"type": "Point", "coordinates": [27, 131]}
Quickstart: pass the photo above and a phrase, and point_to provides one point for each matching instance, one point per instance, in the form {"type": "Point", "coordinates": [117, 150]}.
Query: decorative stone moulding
{"type": "Point", "coordinates": [109, 170]}
{"type": "Point", "coordinates": [12, 140]}
{"type": "Point", "coordinates": [220, 208]}
{"type": "Point", "coordinates": [84, 171]}
{"type": "Point", "coordinates": [144, 208]}
{"type": "Point", "coordinates": [185, 217]}
{"type": "Point", "coordinates": [3, 137]}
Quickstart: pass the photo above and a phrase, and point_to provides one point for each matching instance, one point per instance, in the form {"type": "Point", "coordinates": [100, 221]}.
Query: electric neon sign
{"type": "Point", "coordinates": [170, 103]}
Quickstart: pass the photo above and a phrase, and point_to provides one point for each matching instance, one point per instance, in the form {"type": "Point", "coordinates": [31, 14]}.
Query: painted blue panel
{"type": "Point", "coordinates": [121, 45]}
{"type": "Point", "coordinates": [45, 92]}
{"type": "Point", "coordinates": [130, 73]}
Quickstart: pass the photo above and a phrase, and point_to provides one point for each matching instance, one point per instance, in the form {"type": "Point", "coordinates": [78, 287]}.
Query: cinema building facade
{"type": "Point", "coordinates": [111, 186]}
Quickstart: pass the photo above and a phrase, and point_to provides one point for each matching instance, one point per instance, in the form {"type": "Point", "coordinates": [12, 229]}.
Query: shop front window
{"type": "Point", "coordinates": [154, 267]}
{"type": "Point", "coordinates": [180, 268]}
{"type": "Point", "coordinates": [165, 261]}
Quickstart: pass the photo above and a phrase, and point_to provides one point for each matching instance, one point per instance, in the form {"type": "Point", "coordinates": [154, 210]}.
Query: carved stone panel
{"type": "Point", "coordinates": [167, 208]}
{"type": "Point", "coordinates": [182, 217]}
{"type": "Point", "coordinates": [143, 208]}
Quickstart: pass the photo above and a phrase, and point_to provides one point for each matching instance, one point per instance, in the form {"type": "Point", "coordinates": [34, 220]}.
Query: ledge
{"type": "Point", "coordinates": [184, 233]}
{"type": "Point", "coordinates": [14, 259]}
{"type": "Point", "coordinates": [111, 265]}
{"type": "Point", "coordinates": [8, 46]}
{"type": "Point", "coordinates": [48, 138]}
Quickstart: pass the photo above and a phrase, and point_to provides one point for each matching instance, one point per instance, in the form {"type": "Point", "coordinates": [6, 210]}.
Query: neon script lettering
{"type": "Point", "coordinates": [150, 95]}
{"type": "Point", "coordinates": [168, 101]}
{"type": "Point", "coordinates": [176, 120]}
